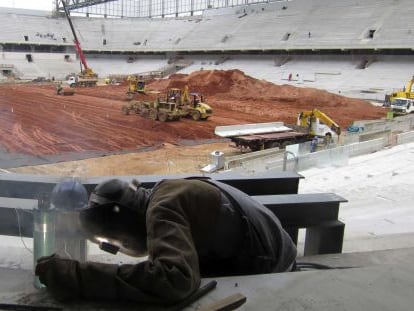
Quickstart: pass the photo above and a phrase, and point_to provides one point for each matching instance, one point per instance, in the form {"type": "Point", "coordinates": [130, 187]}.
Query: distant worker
{"type": "Point", "coordinates": [59, 88]}
{"type": "Point", "coordinates": [196, 100]}
{"type": "Point", "coordinates": [309, 34]}
{"type": "Point", "coordinates": [314, 144]}
{"type": "Point", "coordinates": [327, 140]}
{"type": "Point", "coordinates": [290, 77]}
{"type": "Point", "coordinates": [189, 228]}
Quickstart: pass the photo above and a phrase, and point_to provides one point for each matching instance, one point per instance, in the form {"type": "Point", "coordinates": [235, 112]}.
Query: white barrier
{"type": "Point", "coordinates": [404, 138]}
{"type": "Point", "coordinates": [336, 156]}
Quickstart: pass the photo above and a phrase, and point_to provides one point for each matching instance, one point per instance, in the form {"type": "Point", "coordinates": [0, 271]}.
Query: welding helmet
{"type": "Point", "coordinates": [115, 217]}
{"type": "Point", "coordinates": [69, 195]}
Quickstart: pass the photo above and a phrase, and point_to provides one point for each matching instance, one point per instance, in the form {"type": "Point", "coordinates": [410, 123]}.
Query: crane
{"type": "Point", "coordinates": [87, 76]}
{"type": "Point", "coordinates": [319, 123]}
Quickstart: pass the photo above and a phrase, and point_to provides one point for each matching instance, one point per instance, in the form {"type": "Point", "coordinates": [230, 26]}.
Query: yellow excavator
{"type": "Point", "coordinates": [135, 85]}
{"type": "Point", "coordinates": [319, 124]}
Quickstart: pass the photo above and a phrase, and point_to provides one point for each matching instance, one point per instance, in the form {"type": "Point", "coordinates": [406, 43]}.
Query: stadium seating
{"type": "Point", "coordinates": [279, 39]}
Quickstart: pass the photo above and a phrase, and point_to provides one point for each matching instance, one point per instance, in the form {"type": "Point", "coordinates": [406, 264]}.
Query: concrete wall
{"type": "Point", "coordinates": [404, 138]}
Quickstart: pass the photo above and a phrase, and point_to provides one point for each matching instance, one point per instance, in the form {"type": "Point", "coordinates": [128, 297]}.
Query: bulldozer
{"type": "Point", "coordinates": [164, 111]}
{"type": "Point", "coordinates": [136, 85]}
{"type": "Point", "coordinates": [140, 107]}
{"type": "Point", "coordinates": [157, 110]}
{"type": "Point", "coordinates": [190, 104]}
{"type": "Point", "coordinates": [177, 103]}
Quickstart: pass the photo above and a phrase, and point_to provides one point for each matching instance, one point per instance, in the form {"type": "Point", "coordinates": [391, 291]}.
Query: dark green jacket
{"type": "Point", "coordinates": [194, 229]}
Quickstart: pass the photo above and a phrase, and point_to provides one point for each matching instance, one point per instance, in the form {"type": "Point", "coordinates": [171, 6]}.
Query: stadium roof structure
{"type": "Point", "coordinates": [149, 8]}
{"type": "Point", "coordinates": [76, 4]}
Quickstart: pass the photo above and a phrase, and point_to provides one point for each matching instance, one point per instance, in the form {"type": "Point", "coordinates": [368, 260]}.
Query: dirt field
{"type": "Point", "coordinates": [36, 121]}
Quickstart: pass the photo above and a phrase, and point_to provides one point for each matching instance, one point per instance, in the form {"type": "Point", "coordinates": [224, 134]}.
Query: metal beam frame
{"type": "Point", "coordinates": [316, 212]}
{"type": "Point", "coordinates": [77, 4]}
{"type": "Point", "coordinates": [19, 221]}
{"type": "Point", "coordinates": [149, 8]}
{"type": "Point", "coordinates": [30, 186]}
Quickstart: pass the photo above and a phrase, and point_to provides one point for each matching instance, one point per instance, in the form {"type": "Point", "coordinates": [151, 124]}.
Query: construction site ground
{"type": "Point", "coordinates": [87, 135]}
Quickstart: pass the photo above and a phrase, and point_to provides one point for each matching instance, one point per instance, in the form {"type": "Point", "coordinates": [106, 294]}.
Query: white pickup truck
{"type": "Point", "coordinates": [402, 105]}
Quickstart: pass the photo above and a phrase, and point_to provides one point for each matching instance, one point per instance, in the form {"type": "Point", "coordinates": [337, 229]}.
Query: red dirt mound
{"type": "Point", "coordinates": [234, 91]}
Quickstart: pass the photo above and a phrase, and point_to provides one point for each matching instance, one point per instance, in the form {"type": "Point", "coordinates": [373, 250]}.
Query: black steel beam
{"type": "Point", "coordinates": [294, 211]}
{"type": "Point", "coordinates": [16, 222]}
{"type": "Point", "coordinates": [76, 4]}
{"type": "Point", "coordinates": [266, 183]}
{"type": "Point", "coordinates": [31, 186]}
{"type": "Point", "coordinates": [19, 221]}
{"type": "Point", "coordinates": [326, 238]}
{"type": "Point", "coordinates": [303, 210]}
{"type": "Point", "coordinates": [317, 212]}
{"type": "Point", "coordinates": [25, 187]}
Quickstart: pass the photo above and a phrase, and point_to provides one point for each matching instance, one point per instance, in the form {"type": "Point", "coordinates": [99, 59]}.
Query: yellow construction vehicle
{"type": "Point", "coordinates": [177, 103]}
{"type": "Point", "coordinates": [63, 90]}
{"type": "Point", "coordinates": [406, 93]}
{"type": "Point", "coordinates": [156, 110]}
{"type": "Point", "coordinates": [190, 104]}
{"type": "Point", "coordinates": [135, 85]}
{"type": "Point", "coordinates": [319, 124]}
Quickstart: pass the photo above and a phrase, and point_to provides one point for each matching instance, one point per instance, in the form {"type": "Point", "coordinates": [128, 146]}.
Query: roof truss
{"type": "Point", "coordinates": [76, 4]}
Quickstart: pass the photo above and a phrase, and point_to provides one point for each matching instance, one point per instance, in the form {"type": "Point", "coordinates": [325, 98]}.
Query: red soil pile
{"type": "Point", "coordinates": [235, 91]}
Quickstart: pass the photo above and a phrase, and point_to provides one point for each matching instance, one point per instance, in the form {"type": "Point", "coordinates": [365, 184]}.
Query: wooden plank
{"type": "Point", "coordinates": [226, 304]}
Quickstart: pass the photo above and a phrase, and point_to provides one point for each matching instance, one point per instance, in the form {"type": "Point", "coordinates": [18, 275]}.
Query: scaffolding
{"type": "Point", "coordinates": [150, 8]}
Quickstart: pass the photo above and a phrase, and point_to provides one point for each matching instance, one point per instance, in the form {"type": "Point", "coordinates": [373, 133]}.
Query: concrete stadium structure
{"type": "Point", "coordinates": [358, 49]}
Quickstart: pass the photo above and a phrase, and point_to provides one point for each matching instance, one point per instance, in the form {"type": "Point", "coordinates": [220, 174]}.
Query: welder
{"type": "Point", "coordinates": [188, 228]}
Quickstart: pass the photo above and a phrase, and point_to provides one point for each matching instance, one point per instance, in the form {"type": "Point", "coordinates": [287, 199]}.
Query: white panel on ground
{"type": "Point", "coordinates": [253, 128]}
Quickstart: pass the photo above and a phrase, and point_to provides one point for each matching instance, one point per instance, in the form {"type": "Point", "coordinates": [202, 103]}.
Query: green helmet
{"type": "Point", "coordinates": [69, 194]}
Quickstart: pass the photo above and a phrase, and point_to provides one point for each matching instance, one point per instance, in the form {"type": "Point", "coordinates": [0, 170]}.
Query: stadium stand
{"type": "Point", "coordinates": [368, 47]}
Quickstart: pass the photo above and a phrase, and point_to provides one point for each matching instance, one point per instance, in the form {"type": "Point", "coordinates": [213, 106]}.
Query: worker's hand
{"type": "Point", "coordinates": [60, 276]}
